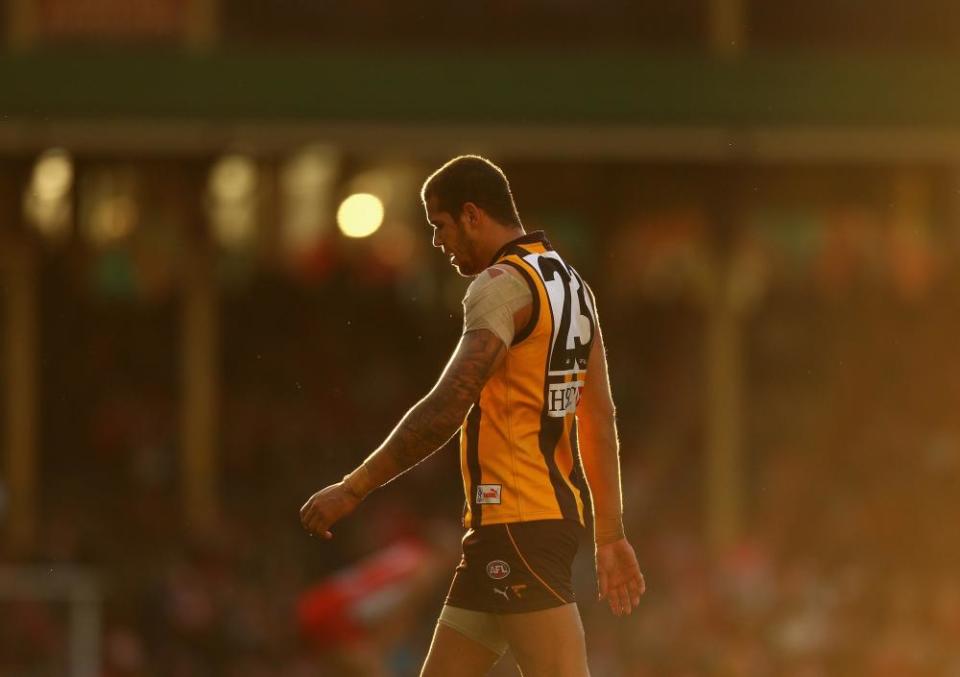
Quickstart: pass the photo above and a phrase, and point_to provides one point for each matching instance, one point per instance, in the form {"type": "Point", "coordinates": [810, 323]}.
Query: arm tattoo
{"type": "Point", "coordinates": [435, 418]}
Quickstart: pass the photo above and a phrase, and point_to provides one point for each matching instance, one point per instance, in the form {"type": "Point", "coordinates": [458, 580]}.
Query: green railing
{"type": "Point", "coordinates": [514, 88]}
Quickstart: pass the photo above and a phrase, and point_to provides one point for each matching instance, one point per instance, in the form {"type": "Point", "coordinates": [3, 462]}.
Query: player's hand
{"type": "Point", "coordinates": [326, 507]}
{"type": "Point", "coordinates": [618, 574]}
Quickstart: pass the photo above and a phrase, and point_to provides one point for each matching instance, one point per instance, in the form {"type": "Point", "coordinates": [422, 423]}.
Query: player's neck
{"type": "Point", "coordinates": [499, 238]}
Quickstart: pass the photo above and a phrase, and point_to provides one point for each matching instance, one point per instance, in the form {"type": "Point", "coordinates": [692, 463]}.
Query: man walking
{"type": "Point", "coordinates": [528, 374]}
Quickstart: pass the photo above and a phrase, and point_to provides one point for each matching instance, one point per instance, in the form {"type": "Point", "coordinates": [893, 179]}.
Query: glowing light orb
{"type": "Point", "coordinates": [360, 215]}
{"type": "Point", "coordinates": [53, 175]}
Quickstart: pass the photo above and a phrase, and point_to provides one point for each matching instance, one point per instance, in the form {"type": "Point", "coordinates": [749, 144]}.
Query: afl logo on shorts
{"type": "Point", "coordinates": [498, 569]}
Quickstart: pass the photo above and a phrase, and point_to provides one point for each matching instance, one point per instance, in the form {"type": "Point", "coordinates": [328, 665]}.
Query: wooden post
{"type": "Point", "coordinates": [21, 30]}
{"type": "Point", "coordinates": [724, 457]}
{"type": "Point", "coordinates": [18, 267]}
{"type": "Point", "coordinates": [202, 24]}
{"type": "Point", "coordinates": [727, 27]}
{"type": "Point", "coordinates": [200, 397]}
{"type": "Point", "coordinates": [729, 287]}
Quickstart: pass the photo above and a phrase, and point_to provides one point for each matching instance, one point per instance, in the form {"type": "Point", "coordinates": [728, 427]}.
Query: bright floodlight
{"type": "Point", "coordinates": [360, 215]}
{"type": "Point", "coordinates": [52, 175]}
{"type": "Point", "coordinates": [233, 178]}
{"type": "Point", "coordinates": [232, 200]}
{"type": "Point", "coordinates": [112, 218]}
{"type": "Point", "coordinates": [305, 188]}
{"type": "Point", "coordinates": [46, 203]}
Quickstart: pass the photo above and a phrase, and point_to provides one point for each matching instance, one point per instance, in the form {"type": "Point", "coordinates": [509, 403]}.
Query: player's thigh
{"type": "Point", "coordinates": [453, 653]}
{"type": "Point", "coordinates": [547, 643]}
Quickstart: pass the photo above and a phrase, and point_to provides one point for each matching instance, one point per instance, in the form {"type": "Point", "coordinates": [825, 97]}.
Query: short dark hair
{"type": "Point", "coordinates": [471, 178]}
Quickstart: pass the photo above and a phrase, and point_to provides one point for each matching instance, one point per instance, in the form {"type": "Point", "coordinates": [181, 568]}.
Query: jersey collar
{"type": "Point", "coordinates": [527, 238]}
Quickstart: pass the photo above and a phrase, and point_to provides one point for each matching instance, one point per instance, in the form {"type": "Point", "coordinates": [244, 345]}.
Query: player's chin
{"type": "Point", "coordinates": [466, 270]}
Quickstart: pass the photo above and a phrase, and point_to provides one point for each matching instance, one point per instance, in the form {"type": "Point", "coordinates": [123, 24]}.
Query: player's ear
{"type": "Point", "coordinates": [470, 214]}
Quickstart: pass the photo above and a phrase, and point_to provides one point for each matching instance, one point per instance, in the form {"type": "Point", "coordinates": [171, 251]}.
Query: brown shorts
{"type": "Point", "coordinates": [517, 567]}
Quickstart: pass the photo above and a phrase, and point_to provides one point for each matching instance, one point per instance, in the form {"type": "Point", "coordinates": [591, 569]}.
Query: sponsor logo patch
{"type": "Point", "coordinates": [563, 398]}
{"type": "Point", "coordinates": [488, 493]}
{"type": "Point", "coordinates": [498, 569]}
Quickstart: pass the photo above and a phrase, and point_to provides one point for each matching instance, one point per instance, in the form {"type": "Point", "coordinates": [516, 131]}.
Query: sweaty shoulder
{"type": "Point", "coordinates": [492, 299]}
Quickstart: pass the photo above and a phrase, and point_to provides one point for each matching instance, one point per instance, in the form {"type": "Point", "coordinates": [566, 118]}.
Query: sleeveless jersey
{"type": "Point", "coordinates": [518, 453]}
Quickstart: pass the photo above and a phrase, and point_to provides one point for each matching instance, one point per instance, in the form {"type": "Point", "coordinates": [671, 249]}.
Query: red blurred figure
{"type": "Point", "coordinates": [349, 615]}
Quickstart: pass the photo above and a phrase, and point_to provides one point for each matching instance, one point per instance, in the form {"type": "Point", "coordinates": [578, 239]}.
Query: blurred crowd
{"type": "Point", "coordinates": [845, 565]}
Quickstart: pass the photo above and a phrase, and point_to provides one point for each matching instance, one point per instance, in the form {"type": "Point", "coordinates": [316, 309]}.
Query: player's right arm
{"type": "Point", "coordinates": [424, 429]}
{"type": "Point", "coordinates": [495, 307]}
{"type": "Point", "coordinates": [618, 573]}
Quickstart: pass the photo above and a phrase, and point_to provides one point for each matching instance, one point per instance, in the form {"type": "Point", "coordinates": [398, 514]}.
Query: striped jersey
{"type": "Point", "coordinates": [518, 453]}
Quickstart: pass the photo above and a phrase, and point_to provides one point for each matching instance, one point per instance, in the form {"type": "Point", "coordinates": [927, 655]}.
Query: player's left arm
{"type": "Point", "coordinates": [423, 429]}
{"type": "Point", "coordinates": [619, 577]}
